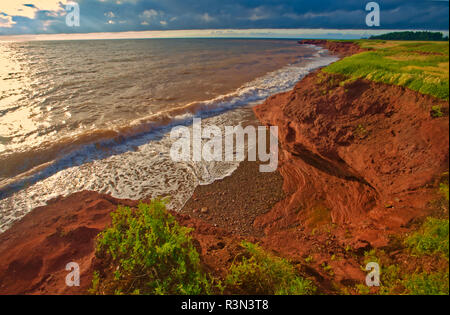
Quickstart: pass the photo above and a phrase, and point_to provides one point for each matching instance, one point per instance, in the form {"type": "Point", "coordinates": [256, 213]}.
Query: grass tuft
{"type": "Point", "coordinates": [262, 273]}
{"type": "Point", "coordinates": [432, 238]}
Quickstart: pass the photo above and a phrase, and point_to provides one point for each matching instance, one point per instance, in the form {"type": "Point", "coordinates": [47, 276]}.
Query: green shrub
{"type": "Point", "coordinates": [390, 276]}
{"type": "Point", "coordinates": [261, 273]}
{"type": "Point", "coordinates": [443, 189]}
{"type": "Point", "coordinates": [436, 112]}
{"type": "Point", "coordinates": [145, 251]}
{"type": "Point", "coordinates": [432, 238]}
{"type": "Point", "coordinates": [428, 284]}
{"type": "Point", "coordinates": [395, 280]}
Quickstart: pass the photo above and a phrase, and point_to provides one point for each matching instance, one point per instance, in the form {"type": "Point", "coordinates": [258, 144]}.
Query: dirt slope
{"type": "Point", "coordinates": [364, 151]}
{"type": "Point", "coordinates": [342, 49]}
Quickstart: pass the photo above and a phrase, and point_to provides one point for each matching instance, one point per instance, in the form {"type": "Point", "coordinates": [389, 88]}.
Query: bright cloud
{"type": "Point", "coordinates": [152, 16]}
{"type": "Point", "coordinates": [6, 21]}
{"type": "Point", "coordinates": [149, 14]}
{"type": "Point", "coordinates": [21, 7]}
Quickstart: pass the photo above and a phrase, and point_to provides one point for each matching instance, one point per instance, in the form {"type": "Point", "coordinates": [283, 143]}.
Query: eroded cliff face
{"type": "Point", "coordinates": [35, 251]}
{"type": "Point", "coordinates": [339, 48]}
{"type": "Point", "coordinates": [363, 151]}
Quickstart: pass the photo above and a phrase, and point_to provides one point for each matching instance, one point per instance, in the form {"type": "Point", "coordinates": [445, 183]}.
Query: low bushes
{"type": "Point", "coordinates": [258, 272]}
{"type": "Point", "coordinates": [147, 252]}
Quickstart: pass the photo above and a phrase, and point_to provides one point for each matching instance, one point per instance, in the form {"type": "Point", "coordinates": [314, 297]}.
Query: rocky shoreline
{"type": "Point", "coordinates": [359, 163]}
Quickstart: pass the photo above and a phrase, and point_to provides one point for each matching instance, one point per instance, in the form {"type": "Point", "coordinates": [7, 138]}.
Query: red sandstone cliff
{"type": "Point", "coordinates": [339, 48]}
{"type": "Point", "coordinates": [365, 151]}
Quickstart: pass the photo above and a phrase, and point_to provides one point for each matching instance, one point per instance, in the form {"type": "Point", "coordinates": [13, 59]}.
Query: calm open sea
{"type": "Point", "coordinates": [95, 115]}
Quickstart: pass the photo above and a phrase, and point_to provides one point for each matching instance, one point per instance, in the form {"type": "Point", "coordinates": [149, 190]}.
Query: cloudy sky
{"type": "Point", "coordinates": [49, 16]}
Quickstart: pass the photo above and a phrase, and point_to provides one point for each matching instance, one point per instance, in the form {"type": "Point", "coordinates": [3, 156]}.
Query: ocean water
{"type": "Point", "coordinates": [96, 115]}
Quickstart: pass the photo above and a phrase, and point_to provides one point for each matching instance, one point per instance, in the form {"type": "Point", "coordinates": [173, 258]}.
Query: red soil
{"type": "Point", "coordinates": [35, 251]}
{"type": "Point", "coordinates": [342, 49]}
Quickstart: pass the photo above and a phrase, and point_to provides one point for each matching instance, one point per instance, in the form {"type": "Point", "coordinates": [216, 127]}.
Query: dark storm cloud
{"type": "Point", "coordinates": [136, 15]}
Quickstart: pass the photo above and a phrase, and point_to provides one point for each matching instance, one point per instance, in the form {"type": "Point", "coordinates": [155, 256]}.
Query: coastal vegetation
{"type": "Point", "coordinates": [261, 273]}
{"type": "Point", "coordinates": [145, 251]}
{"type": "Point", "coordinates": [431, 239]}
{"type": "Point", "coordinates": [424, 265]}
{"type": "Point", "coordinates": [419, 66]}
{"type": "Point", "coordinates": [401, 279]}
{"type": "Point", "coordinates": [410, 35]}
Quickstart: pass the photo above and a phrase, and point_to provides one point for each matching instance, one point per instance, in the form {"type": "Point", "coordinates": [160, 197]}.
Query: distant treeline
{"type": "Point", "coordinates": [409, 35]}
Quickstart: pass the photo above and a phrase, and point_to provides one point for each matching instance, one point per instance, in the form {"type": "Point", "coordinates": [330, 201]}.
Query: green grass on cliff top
{"type": "Point", "coordinates": [419, 66]}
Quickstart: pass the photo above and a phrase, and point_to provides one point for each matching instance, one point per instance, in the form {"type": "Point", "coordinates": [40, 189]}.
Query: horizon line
{"type": "Point", "coordinates": [261, 33]}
